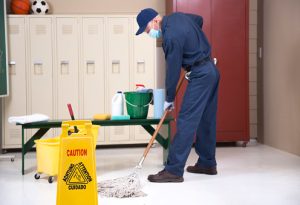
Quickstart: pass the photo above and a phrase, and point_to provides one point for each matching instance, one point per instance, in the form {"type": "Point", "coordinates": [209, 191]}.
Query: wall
{"type": "Point", "coordinates": [281, 96]}
{"type": "Point", "coordinates": [103, 6]}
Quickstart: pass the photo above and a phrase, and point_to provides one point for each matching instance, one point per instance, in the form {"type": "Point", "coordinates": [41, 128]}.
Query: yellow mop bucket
{"type": "Point", "coordinates": [47, 152]}
{"type": "Point", "coordinates": [76, 180]}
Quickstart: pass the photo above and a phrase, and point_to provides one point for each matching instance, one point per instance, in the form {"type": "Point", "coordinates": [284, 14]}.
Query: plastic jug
{"type": "Point", "coordinates": [117, 104]}
{"type": "Point", "coordinates": [139, 87]}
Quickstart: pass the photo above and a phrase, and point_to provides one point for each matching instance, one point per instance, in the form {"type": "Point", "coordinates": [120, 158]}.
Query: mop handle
{"type": "Point", "coordinates": [159, 125]}
{"type": "Point", "coordinates": [72, 116]}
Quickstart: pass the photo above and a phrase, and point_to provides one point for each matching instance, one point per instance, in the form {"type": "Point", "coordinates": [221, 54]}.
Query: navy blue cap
{"type": "Point", "coordinates": [144, 17]}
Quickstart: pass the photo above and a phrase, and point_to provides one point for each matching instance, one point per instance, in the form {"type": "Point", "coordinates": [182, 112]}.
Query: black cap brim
{"type": "Point", "coordinates": [141, 30]}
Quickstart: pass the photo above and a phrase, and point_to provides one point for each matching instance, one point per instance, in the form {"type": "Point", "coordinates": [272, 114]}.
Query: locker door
{"type": "Point", "coordinates": [67, 66]}
{"type": "Point", "coordinates": [118, 68]}
{"type": "Point", "coordinates": [232, 56]}
{"type": "Point", "coordinates": [232, 60]}
{"type": "Point", "coordinates": [93, 69]}
{"type": "Point", "coordinates": [40, 67]}
{"type": "Point", "coordinates": [143, 70]}
{"type": "Point", "coordinates": [15, 103]}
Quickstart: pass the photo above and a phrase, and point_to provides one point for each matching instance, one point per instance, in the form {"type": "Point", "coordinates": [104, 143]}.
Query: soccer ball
{"type": "Point", "coordinates": [39, 7]}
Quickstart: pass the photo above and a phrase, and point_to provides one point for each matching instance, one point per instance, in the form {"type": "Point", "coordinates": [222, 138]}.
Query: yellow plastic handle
{"type": "Point", "coordinates": [76, 122]}
{"type": "Point", "coordinates": [67, 124]}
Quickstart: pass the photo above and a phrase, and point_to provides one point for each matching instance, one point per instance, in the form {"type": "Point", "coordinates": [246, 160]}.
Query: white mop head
{"type": "Point", "coordinates": [122, 187]}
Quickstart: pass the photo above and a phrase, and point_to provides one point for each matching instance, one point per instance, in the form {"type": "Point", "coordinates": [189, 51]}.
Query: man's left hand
{"type": "Point", "coordinates": [168, 106]}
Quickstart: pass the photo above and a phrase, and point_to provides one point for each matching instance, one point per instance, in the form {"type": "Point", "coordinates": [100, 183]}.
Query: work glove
{"type": "Point", "coordinates": [168, 106]}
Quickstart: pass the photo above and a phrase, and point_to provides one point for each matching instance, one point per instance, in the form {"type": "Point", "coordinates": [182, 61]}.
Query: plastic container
{"type": "Point", "coordinates": [117, 104]}
{"type": "Point", "coordinates": [159, 99]}
{"type": "Point", "coordinates": [139, 87]}
{"type": "Point", "coordinates": [47, 150]}
{"type": "Point", "coordinates": [138, 104]}
{"type": "Point", "coordinates": [82, 130]}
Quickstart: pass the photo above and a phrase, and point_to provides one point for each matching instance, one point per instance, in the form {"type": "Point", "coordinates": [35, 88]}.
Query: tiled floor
{"type": "Point", "coordinates": [254, 175]}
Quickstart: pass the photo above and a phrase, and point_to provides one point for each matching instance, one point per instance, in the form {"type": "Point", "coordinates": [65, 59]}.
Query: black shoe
{"type": "Point", "coordinates": [164, 177]}
{"type": "Point", "coordinates": [200, 170]}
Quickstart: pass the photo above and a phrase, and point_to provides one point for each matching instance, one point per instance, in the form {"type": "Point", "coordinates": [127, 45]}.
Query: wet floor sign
{"type": "Point", "coordinates": [76, 180]}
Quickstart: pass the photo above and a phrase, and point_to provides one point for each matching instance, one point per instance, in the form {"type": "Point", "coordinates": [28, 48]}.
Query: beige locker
{"type": "Point", "coordinates": [82, 60]}
{"type": "Point", "coordinates": [93, 69]}
{"type": "Point", "coordinates": [40, 92]}
{"type": "Point", "coordinates": [143, 71]}
{"type": "Point", "coordinates": [15, 103]}
{"type": "Point", "coordinates": [118, 71]}
{"type": "Point", "coordinates": [67, 57]}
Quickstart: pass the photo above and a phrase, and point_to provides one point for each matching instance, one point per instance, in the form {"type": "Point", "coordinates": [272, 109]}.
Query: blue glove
{"type": "Point", "coordinates": [169, 106]}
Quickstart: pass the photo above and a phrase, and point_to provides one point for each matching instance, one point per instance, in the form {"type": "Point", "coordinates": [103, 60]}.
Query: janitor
{"type": "Point", "coordinates": [186, 46]}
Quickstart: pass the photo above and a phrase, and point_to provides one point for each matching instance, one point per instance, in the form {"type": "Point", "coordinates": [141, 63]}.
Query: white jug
{"type": "Point", "coordinates": [117, 104]}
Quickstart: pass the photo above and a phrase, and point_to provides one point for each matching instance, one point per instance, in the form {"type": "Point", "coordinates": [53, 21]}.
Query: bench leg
{"type": "Point", "coordinates": [159, 138]}
{"type": "Point", "coordinates": [166, 148]}
{"type": "Point", "coordinates": [23, 151]}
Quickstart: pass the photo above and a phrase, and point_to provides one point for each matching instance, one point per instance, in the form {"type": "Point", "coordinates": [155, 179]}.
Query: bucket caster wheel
{"type": "Point", "coordinates": [50, 179]}
{"type": "Point", "coordinates": [37, 176]}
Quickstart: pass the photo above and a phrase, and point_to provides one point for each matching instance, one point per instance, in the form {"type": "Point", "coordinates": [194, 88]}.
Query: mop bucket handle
{"type": "Point", "coordinates": [67, 124]}
{"type": "Point", "coordinates": [138, 105]}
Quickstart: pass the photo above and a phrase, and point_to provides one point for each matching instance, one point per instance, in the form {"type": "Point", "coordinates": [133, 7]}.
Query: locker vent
{"type": "Point", "coordinates": [67, 29]}
{"type": "Point", "coordinates": [13, 29]}
{"type": "Point", "coordinates": [40, 29]}
{"type": "Point", "coordinates": [118, 29]}
{"type": "Point", "coordinates": [14, 134]}
{"type": "Point", "coordinates": [141, 130]}
{"type": "Point", "coordinates": [118, 130]}
{"type": "Point", "coordinates": [92, 29]}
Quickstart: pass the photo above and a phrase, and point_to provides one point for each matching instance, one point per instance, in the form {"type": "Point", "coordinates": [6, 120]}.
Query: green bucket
{"type": "Point", "coordinates": [137, 104]}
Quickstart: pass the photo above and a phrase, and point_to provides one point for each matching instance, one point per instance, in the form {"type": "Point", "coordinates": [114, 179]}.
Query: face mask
{"type": "Point", "coordinates": [155, 33]}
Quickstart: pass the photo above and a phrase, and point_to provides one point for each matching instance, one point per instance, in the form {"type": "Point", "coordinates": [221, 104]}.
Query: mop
{"type": "Point", "coordinates": [130, 186]}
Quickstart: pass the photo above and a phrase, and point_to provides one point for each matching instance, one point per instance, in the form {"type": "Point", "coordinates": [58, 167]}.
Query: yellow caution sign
{"type": "Point", "coordinates": [76, 180]}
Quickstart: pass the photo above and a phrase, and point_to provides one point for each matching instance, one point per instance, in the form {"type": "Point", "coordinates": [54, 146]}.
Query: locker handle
{"type": "Point", "coordinates": [37, 63]}
{"type": "Point", "coordinates": [90, 62]}
{"type": "Point", "coordinates": [12, 67]}
{"type": "Point", "coordinates": [115, 62]}
{"type": "Point", "coordinates": [12, 63]}
{"type": "Point", "coordinates": [90, 66]}
{"type": "Point", "coordinates": [115, 66]}
{"type": "Point", "coordinates": [64, 62]}
{"type": "Point", "coordinates": [141, 61]}
{"type": "Point", "coordinates": [140, 66]}
{"type": "Point", "coordinates": [260, 52]}
{"type": "Point", "coordinates": [64, 67]}
{"type": "Point", "coordinates": [215, 61]}
{"type": "Point", "coordinates": [38, 67]}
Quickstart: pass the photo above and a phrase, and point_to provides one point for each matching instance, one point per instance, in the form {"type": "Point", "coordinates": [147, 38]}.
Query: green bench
{"type": "Point", "coordinates": [43, 128]}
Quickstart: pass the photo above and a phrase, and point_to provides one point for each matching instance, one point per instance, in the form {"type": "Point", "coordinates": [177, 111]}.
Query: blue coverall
{"type": "Point", "coordinates": [185, 45]}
